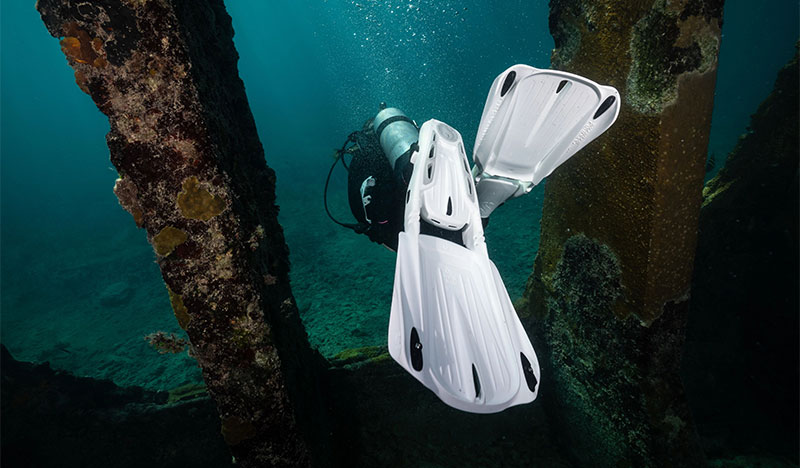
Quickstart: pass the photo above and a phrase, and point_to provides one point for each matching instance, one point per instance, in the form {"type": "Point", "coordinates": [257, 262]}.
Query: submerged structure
{"type": "Point", "coordinates": [607, 303]}
{"type": "Point", "coordinates": [742, 340]}
{"type": "Point", "coordinates": [609, 294]}
{"type": "Point", "coordinates": [193, 176]}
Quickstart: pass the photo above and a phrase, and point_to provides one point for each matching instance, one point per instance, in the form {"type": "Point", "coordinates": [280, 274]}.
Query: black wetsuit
{"type": "Point", "coordinates": [386, 207]}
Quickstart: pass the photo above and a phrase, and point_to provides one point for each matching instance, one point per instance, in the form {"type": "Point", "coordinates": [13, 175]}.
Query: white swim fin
{"type": "Point", "coordinates": [532, 122]}
{"type": "Point", "coordinates": [452, 324]}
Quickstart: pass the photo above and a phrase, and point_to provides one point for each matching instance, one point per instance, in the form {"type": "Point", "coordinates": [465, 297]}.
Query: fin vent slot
{"type": "Point", "coordinates": [561, 85]}
{"type": "Point", "coordinates": [476, 381]}
{"type": "Point", "coordinates": [508, 82]}
{"type": "Point", "coordinates": [604, 106]}
{"type": "Point", "coordinates": [449, 206]}
{"type": "Point", "coordinates": [436, 230]}
{"type": "Point", "coordinates": [527, 369]}
{"type": "Point", "coordinates": [430, 155]}
{"type": "Point", "coordinates": [416, 350]}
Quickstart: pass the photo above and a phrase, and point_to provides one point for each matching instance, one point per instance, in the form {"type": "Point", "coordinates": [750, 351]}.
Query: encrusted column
{"type": "Point", "coordinates": [741, 363]}
{"type": "Point", "coordinates": [609, 293]}
{"type": "Point", "coordinates": [193, 175]}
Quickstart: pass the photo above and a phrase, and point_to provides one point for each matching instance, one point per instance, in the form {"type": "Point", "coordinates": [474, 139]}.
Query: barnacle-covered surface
{"type": "Point", "coordinates": [636, 192]}
{"type": "Point", "coordinates": [193, 175]}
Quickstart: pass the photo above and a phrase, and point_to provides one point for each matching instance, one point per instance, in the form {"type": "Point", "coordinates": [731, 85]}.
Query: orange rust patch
{"type": "Point", "coordinates": [71, 46]}
{"type": "Point", "coordinates": [78, 46]}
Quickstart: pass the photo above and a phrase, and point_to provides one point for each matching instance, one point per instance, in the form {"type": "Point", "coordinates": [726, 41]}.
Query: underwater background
{"type": "Point", "coordinates": [79, 285]}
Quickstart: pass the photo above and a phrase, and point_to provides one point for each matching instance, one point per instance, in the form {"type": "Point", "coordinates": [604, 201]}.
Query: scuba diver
{"type": "Point", "coordinates": [452, 324]}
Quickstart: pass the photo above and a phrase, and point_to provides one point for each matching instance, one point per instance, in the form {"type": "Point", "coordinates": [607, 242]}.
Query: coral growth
{"type": "Point", "coordinates": [180, 311]}
{"type": "Point", "coordinates": [196, 202]}
{"type": "Point", "coordinates": [167, 239]}
{"type": "Point", "coordinates": [164, 343]}
{"type": "Point", "coordinates": [609, 381]}
{"type": "Point", "coordinates": [587, 277]}
{"type": "Point", "coordinates": [665, 45]}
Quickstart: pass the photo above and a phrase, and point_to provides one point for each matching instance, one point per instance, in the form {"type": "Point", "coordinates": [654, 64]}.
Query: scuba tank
{"type": "Point", "coordinates": [398, 136]}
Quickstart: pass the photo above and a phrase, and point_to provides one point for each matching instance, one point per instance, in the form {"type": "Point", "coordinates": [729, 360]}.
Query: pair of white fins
{"type": "Point", "coordinates": [452, 325]}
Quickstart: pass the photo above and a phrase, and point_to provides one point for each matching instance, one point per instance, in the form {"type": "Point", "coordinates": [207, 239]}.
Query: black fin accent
{"type": "Point", "coordinates": [416, 350]}
{"type": "Point", "coordinates": [508, 82]}
{"type": "Point", "coordinates": [430, 155]}
{"type": "Point", "coordinates": [430, 170]}
{"type": "Point", "coordinates": [561, 86]}
{"type": "Point", "coordinates": [477, 381]}
{"type": "Point", "coordinates": [527, 369]}
{"type": "Point", "coordinates": [604, 106]}
{"type": "Point", "coordinates": [430, 229]}
{"type": "Point", "coordinates": [408, 196]}
{"type": "Point", "coordinates": [449, 206]}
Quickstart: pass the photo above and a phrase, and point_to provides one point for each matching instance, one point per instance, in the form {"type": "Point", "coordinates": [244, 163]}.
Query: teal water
{"type": "Point", "coordinates": [80, 287]}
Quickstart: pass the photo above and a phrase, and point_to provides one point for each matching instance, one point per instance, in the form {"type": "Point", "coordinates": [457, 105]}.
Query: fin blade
{"type": "Point", "coordinates": [541, 121]}
{"type": "Point", "coordinates": [467, 326]}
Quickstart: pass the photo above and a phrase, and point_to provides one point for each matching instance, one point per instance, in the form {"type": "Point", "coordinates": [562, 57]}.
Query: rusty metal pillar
{"type": "Point", "coordinates": [609, 294]}
{"type": "Point", "coordinates": [193, 175]}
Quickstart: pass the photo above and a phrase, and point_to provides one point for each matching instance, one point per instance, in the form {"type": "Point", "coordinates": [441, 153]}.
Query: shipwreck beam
{"type": "Point", "coordinates": [193, 175]}
{"type": "Point", "coordinates": [609, 294]}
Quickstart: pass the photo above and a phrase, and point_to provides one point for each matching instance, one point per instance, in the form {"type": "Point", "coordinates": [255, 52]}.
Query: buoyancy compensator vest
{"type": "Point", "coordinates": [378, 173]}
